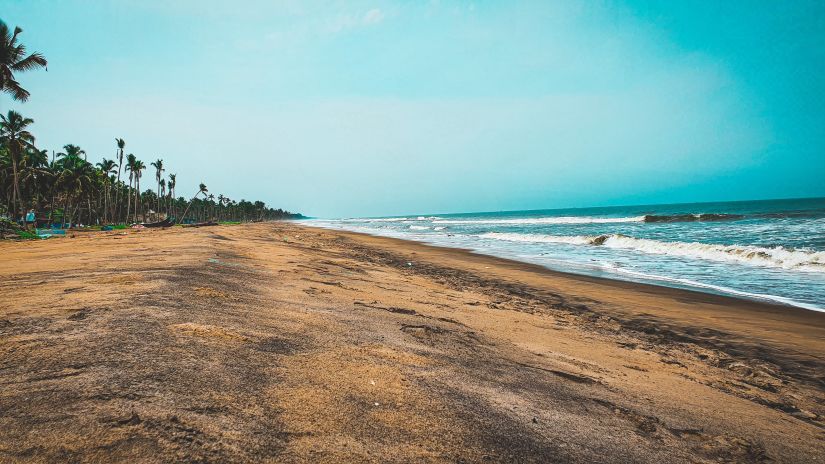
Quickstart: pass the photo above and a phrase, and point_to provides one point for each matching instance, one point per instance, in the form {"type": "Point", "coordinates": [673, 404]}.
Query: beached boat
{"type": "Point", "coordinates": [164, 223]}
{"type": "Point", "coordinates": [201, 224]}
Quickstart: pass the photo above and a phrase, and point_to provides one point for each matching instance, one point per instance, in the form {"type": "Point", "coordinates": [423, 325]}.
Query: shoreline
{"type": "Point", "coordinates": [725, 307]}
{"type": "Point", "coordinates": [652, 281]}
{"type": "Point", "coordinates": [280, 341]}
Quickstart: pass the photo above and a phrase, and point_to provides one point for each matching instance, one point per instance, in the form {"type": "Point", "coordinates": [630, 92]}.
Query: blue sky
{"type": "Point", "coordinates": [381, 108]}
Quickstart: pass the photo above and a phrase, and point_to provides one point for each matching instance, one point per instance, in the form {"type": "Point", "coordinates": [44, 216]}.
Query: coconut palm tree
{"type": "Point", "coordinates": [34, 174]}
{"type": "Point", "coordinates": [121, 144]}
{"type": "Point", "coordinates": [37, 158]}
{"type": "Point", "coordinates": [220, 205]}
{"type": "Point", "coordinates": [76, 178]}
{"type": "Point", "coordinates": [158, 165]}
{"type": "Point", "coordinates": [107, 168]}
{"type": "Point", "coordinates": [72, 150]}
{"type": "Point", "coordinates": [201, 190]}
{"type": "Point", "coordinates": [13, 59]}
{"type": "Point", "coordinates": [14, 135]}
{"type": "Point", "coordinates": [130, 164]}
{"type": "Point", "coordinates": [171, 184]}
{"type": "Point", "coordinates": [211, 205]}
{"type": "Point", "coordinates": [137, 169]}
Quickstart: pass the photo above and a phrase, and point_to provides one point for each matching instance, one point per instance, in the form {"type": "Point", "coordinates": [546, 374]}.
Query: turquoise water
{"type": "Point", "coordinates": [766, 250]}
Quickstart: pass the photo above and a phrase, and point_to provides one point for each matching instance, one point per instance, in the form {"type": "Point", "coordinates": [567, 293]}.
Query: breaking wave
{"type": "Point", "coordinates": [718, 288]}
{"type": "Point", "coordinates": [778, 257]}
{"type": "Point", "coordinates": [712, 217]}
{"type": "Point", "coordinates": [543, 220]}
{"type": "Point", "coordinates": [397, 219]}
{"type": "Point", "coordinates": [392, 219]}
{"type": "Point", "coordinates": [707, 217]}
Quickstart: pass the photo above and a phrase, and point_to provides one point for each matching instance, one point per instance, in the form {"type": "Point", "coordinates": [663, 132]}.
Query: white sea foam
{"type": "Point", "coordinates": [717, 288]}
{"type": "Point", "coordinates": [439, 228]}
{"type": "Point", "coordinates": [778, 257]}
{"type": "Point", "coordinates": [395, 219]}
{"type": "Point", "coordinates": [419, 228]}
{"type": "Point", "coordinates": [392, 219]}
{"type": "Point", "coordinates": [543, 220]}
{"type": "Point", "coordinates": [536, 238]}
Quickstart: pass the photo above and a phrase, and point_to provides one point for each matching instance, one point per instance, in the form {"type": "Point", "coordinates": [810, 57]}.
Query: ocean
{"type": "Point", "coordinates": [772, 250]}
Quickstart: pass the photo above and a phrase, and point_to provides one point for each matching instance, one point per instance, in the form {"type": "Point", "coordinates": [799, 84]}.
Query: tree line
{"type": "Point", "coordinates": [66, 188]}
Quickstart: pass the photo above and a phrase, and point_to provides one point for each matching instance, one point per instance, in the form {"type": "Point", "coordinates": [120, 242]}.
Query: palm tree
{"type": "Point", "coordinates": [137, 169]}
{"type": "Point", "coordinates": [33, 173]}
{"type": "Point", "coordinates": [13, 59]}
{"type": "Point", "coordinates": [211, 204]}
{"type": "Point", "coordinates": [171, 184]}
{"type": "Point", "coordinates": [107, 168]}
{"type": "Point", "coordinates": [17, 139]}
{"type": "Point", "coordinates": [130, 164]}
{"type": "Point", "coordinates": [158, 176]}
{"type": "Point", "coordinates": [226, 212]}
{"type": "Point", "coordinates": [164, 201]}
{"type": "Point", "coordinates": [201, 190]}
{"type": "Point", "coordinates": [72, 150]}
{"type": "Point", "coordinates": [220, 205]}
{"type": "Point", "coordinates": [121, 144]}
{"type": "Point", "coordinates": [76, 178]}
{"type": "Point", "coordinates": [51, 184]}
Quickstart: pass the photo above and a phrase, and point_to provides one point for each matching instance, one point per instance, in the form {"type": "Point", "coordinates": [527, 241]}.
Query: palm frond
{"type": "Point", "coordinates": [18, 93]}
{"type": "Point", "coordinates": [33, 61]}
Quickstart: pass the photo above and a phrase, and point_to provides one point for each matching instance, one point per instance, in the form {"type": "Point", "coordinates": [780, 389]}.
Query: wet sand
{"type": "Point", "coordinates": [278, 342]}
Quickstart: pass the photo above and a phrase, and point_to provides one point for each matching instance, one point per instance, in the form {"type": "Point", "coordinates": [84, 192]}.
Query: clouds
{"type": "Point", "coordinates": [373, 16]}
{"type": "Point", "coordinates": [349, 21]}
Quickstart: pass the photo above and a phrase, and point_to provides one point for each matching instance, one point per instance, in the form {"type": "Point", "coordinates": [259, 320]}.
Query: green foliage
{"type": "Point", "coordinates": [26, 235]}
{"type": "Point", "coordinates": [14, 59]}
{"type": "Point", "coordinates": [8, 225]}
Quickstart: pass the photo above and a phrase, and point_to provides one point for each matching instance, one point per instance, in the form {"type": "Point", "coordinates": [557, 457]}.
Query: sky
{"type": "Point", "coordinates": [377, 108]}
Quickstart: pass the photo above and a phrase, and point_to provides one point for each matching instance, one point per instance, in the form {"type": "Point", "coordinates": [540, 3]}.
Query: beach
{"type": "Point", "coordinates": [281, 342]}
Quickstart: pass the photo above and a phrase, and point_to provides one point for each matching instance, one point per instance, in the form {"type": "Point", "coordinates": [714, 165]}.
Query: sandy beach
{"type": "Point", "coordinates": [280, 342]}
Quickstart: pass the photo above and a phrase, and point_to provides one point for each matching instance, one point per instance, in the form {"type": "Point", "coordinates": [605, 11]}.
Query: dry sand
{"type": "Point", "coordinates": [276, 342]}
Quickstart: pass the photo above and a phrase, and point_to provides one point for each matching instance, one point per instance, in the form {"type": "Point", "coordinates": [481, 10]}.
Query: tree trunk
{"type": "Point", "coordinates": [137, 196]}
{"type": "Point", "coordinates": [128, 201]}
{"type": "Point", "coordinates": [66, 213]}
{"type": "Point", "coordinates": [187, 207]}
{"type": "Point", "coordinates": [116, 206]}
{"type": "Point", "coordinates": [51, 210]}
{"type": "Point", "coordinates": [18, 198]}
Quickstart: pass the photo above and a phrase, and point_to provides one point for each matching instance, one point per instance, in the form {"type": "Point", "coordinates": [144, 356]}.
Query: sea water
{"type": "Point", "coordinates": [765, 250]}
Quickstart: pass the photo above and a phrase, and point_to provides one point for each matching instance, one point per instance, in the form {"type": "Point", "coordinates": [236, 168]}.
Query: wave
{"type": "Point", "coordinates": [419, 228]}
{"type": "Point", "coordinates": [648, 218]}
{"type": "Point", "coordinates": [710, 217]}
{"type": "Point", "coordinates": [706, 217]}
{"type": "Point", "coordinates": [717, 288]}
{"type": "Point", "coordinates": [777, 257]}
{"type": "Point", "coordinates": [536, 238]}
{"type": "Point", "coordinates": [392, 219]}
{"type": "Point", "coordinates": [395, 219]}
{"type": "Point", "coordinates": [544, 220]}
